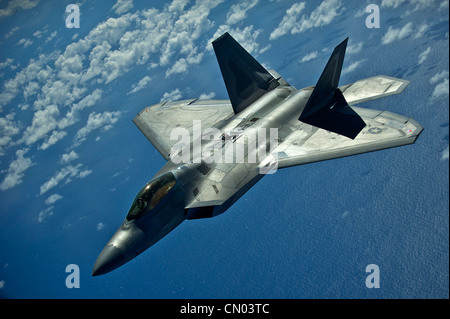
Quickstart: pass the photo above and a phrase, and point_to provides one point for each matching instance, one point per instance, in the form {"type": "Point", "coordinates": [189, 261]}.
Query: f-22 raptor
{"type": "Point", "coordinates": [312, 124]}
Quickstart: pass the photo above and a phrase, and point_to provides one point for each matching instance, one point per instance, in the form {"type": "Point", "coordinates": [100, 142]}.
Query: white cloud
{"type": "Point", "coordinates": [179, 67]}
{"type": "Point", "coordinates": [84, 173]}
{"type": "Point", "coordinates": [394, 34]}
{"type": "Point", "coordinates": [8, 62]}
{"type": "Point", "coordinates": [16, 170]}
{"type": "Point", "coordinates": [238, 12]}
{"type": "Point", "coordinates": [183, 64]}
{"type": "Point", "coordinates": [2, 284]}
{"type": "Point", "coordinates": [324, 14]}
{"type": "Point", "coordinates": [166, 34]}
{"type": "Point", "coordinates": [38, 34]}
{"type": "Point", "coordinates": [354, 48]}
{"type": "Point", "coordinates": [206, 96]}
{"type": "Point", "coordinates": [46, 213]}
{"type": "Point", "coordinates": [57, 86]}
{"type": "Point", "coordinates": [88, 100]}
{"type": "Point", "coordinates": [73, 115]}
{"type": "Point", "coordinates": [136, 37]}
{"type": "Point", "coordinates": [289, 20]}
{"type": "Point", "coordinates": [442, 88]}
{"type": "Point", "coordinates": [37, 69]}
{"type": "Point", "coordinates": [392, 3]}
{"type": "Point", "coordinates": [105, 121]}
{"type": "Point", "coordinates": [439, 76]}
{"type": "Point", "coordinates": [423, 56]}
{"type": "Point", "coordinates": [68, 157]}
{"type": "Point", "coordinates": [100, 226]}
{"type": "Point", "coordinates": [246, 37]}
{"type": "Point", "coordinates": [96, 57]}
{"type": "Point", "coordinates": [25, 42]}
{"type": "Point", "coordinates": [53, 199]}
{"type": "Point", "coordinates": [70, 68]}
{"type": "Point", "coordinates": [353, 66]}
{"type": "Point", "coordinates": [66, 173]}
{"type": "Point", "coordinates": [419, 4]}
{"type": "Point", "coordinates": [15, 5]}
{"type": "Point", "coordinates": [141, 85]}
{"type": "Point", "coordinates": [51, 36]}
{"type": "Point", "coordinates": [8, 128]}
{"type": "Point", "coordinates": [173, 95]}
{"type": "Point", "coordinates": [177, 6]}
{"type": "Point", "coordinates": [53, 139]}
{"type": "Point", "coordinates": [11, 32]}
{"type": "Point", "coordinates": [310, 56]}
{"type": "Point", "coordinates": [122, 6]}
{"type": "Point", "coordinates": [445, 154]}
{"type": "Point", "coordinates": [422, 29]}
{"type": "Point", "coordinates": [59, 92]}
{"type": "Point", "coordinates": [31, 89]}
{"type": "Point", "coordinates": [44, 121]}
{"type": "Point", "coordinates": [23, 107]}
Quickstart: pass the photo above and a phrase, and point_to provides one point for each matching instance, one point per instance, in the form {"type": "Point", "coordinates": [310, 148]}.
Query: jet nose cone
{"type": "Point", "coordinates": [109, 259]}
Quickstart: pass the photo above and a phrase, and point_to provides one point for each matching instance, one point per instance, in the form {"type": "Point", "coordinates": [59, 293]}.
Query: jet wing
{"type": "Point", "coordinates": [157, 122]}
{"type": "Point", "coordinates": [372, 88]}
{"type": "Point", "coordinates": [307, 144]}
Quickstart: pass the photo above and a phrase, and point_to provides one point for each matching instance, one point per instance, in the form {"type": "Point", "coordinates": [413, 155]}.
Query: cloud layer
{"type": "Point", "coordinates": [63, 90]}
{"type": "Point", "coordinates": [293, 22]}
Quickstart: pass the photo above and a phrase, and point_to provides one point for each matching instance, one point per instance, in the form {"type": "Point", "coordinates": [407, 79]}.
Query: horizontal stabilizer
{"type": "Point", "coordinates": [327, 107]}
{"type": "Point", "coordinates": [245, 79]}
{"type": "Point", "coordinates": [372, 88]}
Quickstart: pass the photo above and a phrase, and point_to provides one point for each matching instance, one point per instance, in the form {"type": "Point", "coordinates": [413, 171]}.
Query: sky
{"type": "Point", "coordinates": [71, 160]}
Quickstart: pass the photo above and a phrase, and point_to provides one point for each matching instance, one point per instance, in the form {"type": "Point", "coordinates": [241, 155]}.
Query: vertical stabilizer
{"type": "Point", "coordinates": [326, 107]}
{"type": "Point", "coordinates": [245, 79]}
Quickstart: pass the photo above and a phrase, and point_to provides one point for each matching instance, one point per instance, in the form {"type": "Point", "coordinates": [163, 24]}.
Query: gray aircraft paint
{"type": "Point", "coordinates": [259, 99]}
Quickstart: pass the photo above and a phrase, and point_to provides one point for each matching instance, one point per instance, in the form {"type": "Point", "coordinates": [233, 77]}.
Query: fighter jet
{"type": "Point", "coordinates": [216, 150]}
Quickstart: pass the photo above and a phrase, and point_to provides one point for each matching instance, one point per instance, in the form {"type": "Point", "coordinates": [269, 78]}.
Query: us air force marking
{"type": "Point", "coordinates": [375, 130]}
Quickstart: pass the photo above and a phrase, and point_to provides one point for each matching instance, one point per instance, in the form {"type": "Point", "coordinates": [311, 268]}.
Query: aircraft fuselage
{"type": "Point", "coordinates": [134, 236]}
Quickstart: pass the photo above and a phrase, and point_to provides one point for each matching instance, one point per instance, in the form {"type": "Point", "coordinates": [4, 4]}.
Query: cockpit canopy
{"type": "Point", "coordinates": [150, 195]}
